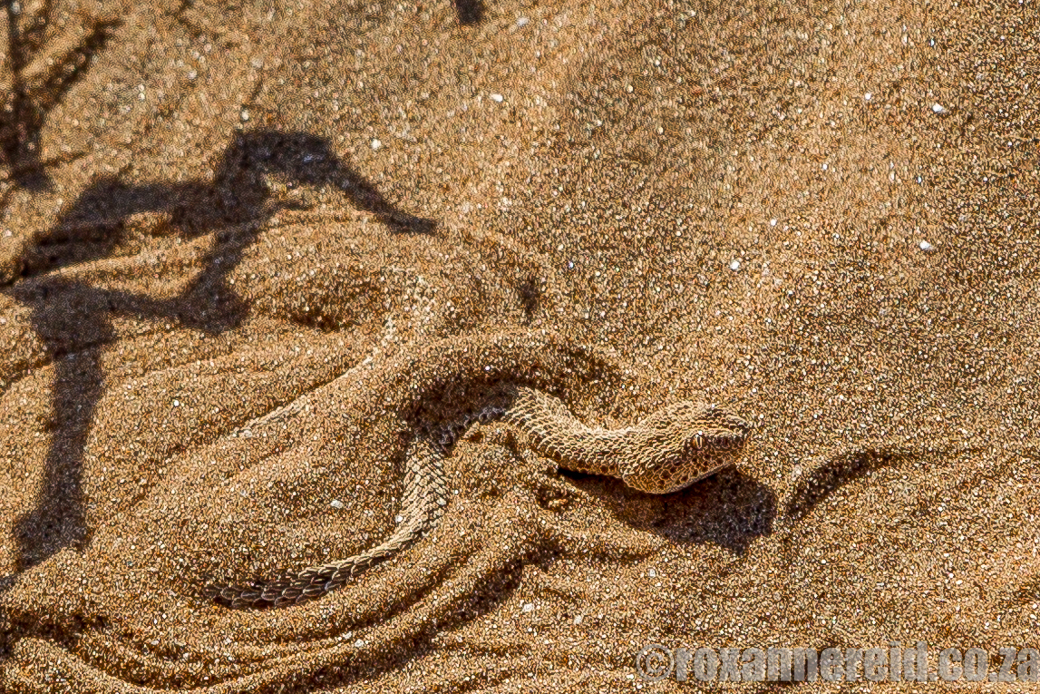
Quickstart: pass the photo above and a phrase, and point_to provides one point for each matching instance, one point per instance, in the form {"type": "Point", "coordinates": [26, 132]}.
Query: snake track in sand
{"type": "Point", "coordinates": [670, 449]}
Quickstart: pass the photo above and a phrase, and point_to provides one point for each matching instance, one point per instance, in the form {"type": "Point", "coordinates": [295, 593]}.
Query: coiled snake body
{"type": "Point", "coordinates": [665, 452]}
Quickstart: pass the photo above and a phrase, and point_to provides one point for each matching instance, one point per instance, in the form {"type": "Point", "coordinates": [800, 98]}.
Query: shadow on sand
{"type": "Point", "coordinates": [74, 319]}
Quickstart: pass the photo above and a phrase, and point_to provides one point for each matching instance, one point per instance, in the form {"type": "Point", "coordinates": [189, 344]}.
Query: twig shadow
{"type": "Point", "coordinates": [40, 74]}
{"type": "Point", "coordinates": [74, 319]}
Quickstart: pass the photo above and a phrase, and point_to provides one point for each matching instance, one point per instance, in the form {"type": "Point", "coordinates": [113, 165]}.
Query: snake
{"type": "Point", "coordinates": [667, 451]}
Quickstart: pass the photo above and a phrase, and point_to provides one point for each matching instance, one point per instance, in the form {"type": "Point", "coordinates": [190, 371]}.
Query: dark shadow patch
{"type": "Point", "coordinates": [729, 509]}
{"type": "Point", "coordinates": [469, 12]}
{"type": "Point", "coordinates": [530, 297]}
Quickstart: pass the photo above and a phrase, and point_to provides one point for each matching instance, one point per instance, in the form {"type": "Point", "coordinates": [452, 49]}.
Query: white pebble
{"type": "Point", "coordinates": [772, 222]}
{"type": "Point", "coordinates": [938, 108]}
{"type": "Point", "coordinates": [926, 247]}
{"type": "Point", "coordinates": [336, 503]}
{"type": "Point", "coordinates": [244, 115]}
{"type": "Point", "coordinates": [522, 22]}
{"type": "Point", "coordinates": [376, 144]}
{"type": "Point", "coordinates": [528, 607]}
{"type": "Point", "coordinates": [652, 573]}
{"type": "Point", "coordinates": [497, 98]}
{"type": "Point", "coordinates": [868, 96]}
{"type": "Point", "coordinates": [578, 618]}
{"type": "Point", "coordinates": [734, 265]}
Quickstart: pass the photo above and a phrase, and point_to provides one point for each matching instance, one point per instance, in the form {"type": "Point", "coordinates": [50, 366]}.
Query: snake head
{"type": "Point", "coordinates": [688, 442]}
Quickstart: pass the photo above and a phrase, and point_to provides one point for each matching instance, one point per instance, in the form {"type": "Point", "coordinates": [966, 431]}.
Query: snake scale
{"type": "Point", "coordinates": [668, 450]}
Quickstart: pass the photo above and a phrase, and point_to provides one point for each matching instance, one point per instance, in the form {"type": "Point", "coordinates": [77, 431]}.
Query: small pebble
{"type": "Point", "coordinates": [734, 265]}
{"type": "Point", "coordinates": [868, 96]}
{"type": "Point", "coordinates": [926, 247]}
{"type": "Point", "coordinates": [938, 108]}
{"type": "Point", "coordinates": [522, 22]}
{"type": "Point", "coordinates": [376, 144]}
{"type": "Point", "coordinates": [336, 503]}
{"type": "Point", "coordinates": [528, 607]}
{"type": "Point", "coordinates": [497, 98]}
{"type": "Point", "coordinates": [244, 115]}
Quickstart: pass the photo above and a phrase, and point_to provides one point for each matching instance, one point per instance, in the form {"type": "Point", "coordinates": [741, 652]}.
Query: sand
{"type": "Point", "coordinates": [236, 239]}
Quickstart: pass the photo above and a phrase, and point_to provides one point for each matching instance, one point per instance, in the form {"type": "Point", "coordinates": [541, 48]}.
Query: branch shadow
{"type": "Point", "coordinates": [37, 84]}
{"type": "Point", "coordinates": [74, 319]}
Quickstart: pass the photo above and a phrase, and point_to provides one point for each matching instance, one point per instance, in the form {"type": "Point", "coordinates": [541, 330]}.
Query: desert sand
{"type": "Point", "coordinates": [245, 248]}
